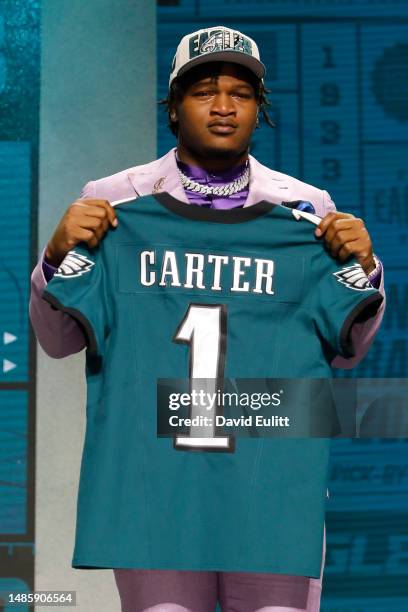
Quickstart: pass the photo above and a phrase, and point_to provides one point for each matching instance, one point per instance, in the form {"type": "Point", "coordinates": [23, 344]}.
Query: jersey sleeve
{"type": "Point", "coordinates": [340, 295]}
{"type": "Point", "coordinates": [80, 288]}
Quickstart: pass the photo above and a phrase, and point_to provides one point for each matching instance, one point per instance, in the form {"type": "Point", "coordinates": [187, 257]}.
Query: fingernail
{"type": "Point", "coordinates": [115, 222]}
{"type": "Point", "coordinates": [318, 232]}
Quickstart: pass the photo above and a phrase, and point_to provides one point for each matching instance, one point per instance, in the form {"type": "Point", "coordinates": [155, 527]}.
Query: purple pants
{"type": "Point", "coordinates": [196, 591]}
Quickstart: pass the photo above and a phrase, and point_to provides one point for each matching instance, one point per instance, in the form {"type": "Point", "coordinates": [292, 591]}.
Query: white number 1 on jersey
{"type": "Point", "coordinates": [204, 329]}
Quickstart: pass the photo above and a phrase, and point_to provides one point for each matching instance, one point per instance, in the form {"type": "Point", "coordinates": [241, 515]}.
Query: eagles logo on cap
{"type": "Point", "coordinates": [216, 44]}
{"type": "Point", "coordinates": [219, 41]}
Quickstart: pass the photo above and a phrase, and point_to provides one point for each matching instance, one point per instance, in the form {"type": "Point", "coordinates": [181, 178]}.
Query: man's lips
{"type": "Point", "coordinates": [222, 127]}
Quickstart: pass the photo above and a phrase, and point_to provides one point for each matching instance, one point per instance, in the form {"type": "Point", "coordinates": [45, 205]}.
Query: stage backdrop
{"type": "Point", "coordinates": [338, 75]}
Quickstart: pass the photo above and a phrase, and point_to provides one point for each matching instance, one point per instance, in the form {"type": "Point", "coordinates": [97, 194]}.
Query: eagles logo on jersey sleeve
{"type": "Point", "coordinates": [85, 297]}
{"type": "Point", "coordinates": [353, 277]}
{"type": "Point", "coordinates": [74, 265]}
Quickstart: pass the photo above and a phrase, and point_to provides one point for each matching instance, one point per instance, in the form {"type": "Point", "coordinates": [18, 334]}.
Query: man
{"type": "Point", "coordinates": [215, 94]}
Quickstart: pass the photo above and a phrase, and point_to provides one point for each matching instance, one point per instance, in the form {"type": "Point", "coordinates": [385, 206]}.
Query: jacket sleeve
{"type": "Point", "coordinates": [57, 332]}
{"type": "Point", "coordinates": [362, 333]}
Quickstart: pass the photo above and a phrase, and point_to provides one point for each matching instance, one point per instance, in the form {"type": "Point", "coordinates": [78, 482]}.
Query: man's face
{"type": "Point", "coordinates": [217, 115]}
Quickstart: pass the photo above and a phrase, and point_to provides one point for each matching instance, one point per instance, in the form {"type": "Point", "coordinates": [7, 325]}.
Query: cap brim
{"type": "Point", "coordinates": [235, 57]}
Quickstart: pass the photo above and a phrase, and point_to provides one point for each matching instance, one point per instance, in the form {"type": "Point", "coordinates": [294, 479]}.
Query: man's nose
{"type": "Point", "coordinates": [223, 104]}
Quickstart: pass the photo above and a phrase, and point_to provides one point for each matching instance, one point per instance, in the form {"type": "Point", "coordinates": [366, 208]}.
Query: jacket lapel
{"type": "Point", "coordinates": [159, 175]}
{"type": "Point", "coordinates": [162, 175]}
{"type": "Point", "coordinates": [266, 184]}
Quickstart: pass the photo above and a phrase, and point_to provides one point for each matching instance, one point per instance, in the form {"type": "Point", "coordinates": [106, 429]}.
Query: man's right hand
{"type": "Point", "coordinates": [84, 221]}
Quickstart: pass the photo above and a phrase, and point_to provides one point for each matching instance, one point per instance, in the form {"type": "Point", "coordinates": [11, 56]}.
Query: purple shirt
{"type": "Point", "coordinates": [218, 179]}
{"type": "Point", "coordinates": [48, 270]}
{"type": "Point", "coordinates": [203, 177]}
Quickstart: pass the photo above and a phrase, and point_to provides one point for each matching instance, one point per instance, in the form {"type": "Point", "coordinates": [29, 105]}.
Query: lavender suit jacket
{"type": "Point", "coordinates": [60, 335]}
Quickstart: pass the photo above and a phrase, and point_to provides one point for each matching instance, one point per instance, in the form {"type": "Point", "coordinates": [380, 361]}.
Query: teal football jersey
{"type": "Point", "coordinates": [261, 298]}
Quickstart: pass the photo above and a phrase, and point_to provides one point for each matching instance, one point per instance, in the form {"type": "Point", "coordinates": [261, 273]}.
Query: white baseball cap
{"type": "Point", "coordinates": [216, 44]}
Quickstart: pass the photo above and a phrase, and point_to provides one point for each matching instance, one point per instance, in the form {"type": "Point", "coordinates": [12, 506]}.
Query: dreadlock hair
{"type": "Point", "coordinates": [180, 85]}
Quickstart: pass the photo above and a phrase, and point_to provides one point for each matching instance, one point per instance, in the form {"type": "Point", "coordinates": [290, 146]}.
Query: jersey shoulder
{"type": "Point", "coordinates": [289, 214]}
{"type": "Point", "coordinates": [302, 215]}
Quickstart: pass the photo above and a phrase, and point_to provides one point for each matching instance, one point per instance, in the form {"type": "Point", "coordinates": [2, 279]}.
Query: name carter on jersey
{"type": "Point", "coordinates": [213, 267]}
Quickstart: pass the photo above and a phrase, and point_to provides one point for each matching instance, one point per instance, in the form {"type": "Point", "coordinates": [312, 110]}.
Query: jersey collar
{"type": "Point", "coordinates": [199, 213]}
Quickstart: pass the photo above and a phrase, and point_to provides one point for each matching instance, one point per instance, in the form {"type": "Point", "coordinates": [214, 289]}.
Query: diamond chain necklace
{"type": "Point", "coordinates": [223, 190]}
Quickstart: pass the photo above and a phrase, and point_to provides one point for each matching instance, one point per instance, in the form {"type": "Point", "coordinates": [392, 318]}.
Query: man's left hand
{"type": "Point", "coordinates": [346, 235]}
